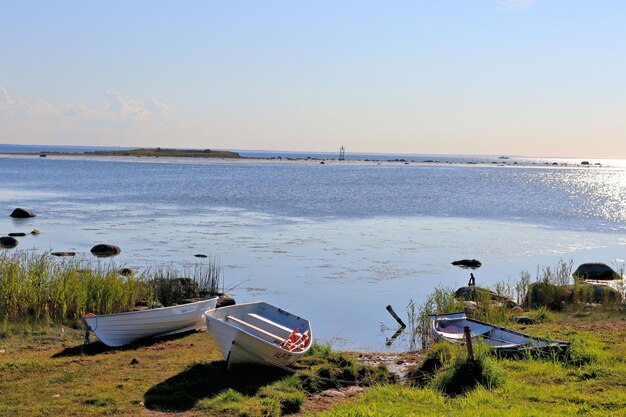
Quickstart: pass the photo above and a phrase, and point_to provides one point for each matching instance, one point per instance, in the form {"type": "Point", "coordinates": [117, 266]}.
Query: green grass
{"type": "Point", "coordinates": [589, 380]}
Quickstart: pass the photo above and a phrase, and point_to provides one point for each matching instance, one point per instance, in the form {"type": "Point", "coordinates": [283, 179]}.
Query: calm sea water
{"type": "Point", "coordinates": [335, 243]}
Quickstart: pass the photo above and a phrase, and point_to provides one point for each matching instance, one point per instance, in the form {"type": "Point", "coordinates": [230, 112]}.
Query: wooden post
{"type": "Point", "coordinates": [395, 316]}
{"type": "Point", "coordinates": [468, 342]}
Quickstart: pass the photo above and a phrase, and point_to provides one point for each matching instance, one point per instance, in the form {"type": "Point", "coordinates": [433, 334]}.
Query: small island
{"type": "Point", "coordinates": [165, 152]}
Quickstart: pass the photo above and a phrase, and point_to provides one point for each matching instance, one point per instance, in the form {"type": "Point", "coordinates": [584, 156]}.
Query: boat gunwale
{"type": "Point", "coordinates": [149, 310]}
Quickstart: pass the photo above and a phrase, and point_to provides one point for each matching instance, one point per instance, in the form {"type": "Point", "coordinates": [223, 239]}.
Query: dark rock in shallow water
{"type": "Point", "coordinates": [63, 254]}
{"type": "Point", "coordinates": [225, 300]}
{"type": "Point", "coordinates": [106, 250]}
{"type": "Point", "coordinates": [8, 242]}
{"type": "Point", "coordinates": [127, 272]}
{"type": "Point", "coordinates": [596, 270]}
{"type": "Point", "coordinates": [17, 234]}
{"type": "Point", "coordinates": [467, 263]}
{"type": "Point", "coordinates": [35, 232]}
{"type": "Point", "coordinates": [199, 255]}
{"type": "Point", "coordinates": [525, 320]}
{"type": "Point", "coordinates": [20, 213]}
{"type": "Point", "coordinates": [469, 293]}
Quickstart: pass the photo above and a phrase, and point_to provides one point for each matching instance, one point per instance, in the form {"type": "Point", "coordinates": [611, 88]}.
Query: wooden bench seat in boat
{"type": "Point", "coordinates": [276, 332]}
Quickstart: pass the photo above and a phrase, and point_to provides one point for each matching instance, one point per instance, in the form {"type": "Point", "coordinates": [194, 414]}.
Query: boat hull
{"type": "Point", "coordinates": [450, 327]}
{"type": "Point", "coordinates": [242, 345]}
{"type": "Point", "coordinates": [124, 328]}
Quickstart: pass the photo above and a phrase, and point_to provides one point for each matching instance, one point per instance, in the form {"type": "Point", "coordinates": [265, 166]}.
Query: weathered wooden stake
{"type": "Point", "coordinates": [394, 337]}
{"type": "Point", "coordinates": [468, 342]}
{"type": "Point", "coordinates": [395, 316]}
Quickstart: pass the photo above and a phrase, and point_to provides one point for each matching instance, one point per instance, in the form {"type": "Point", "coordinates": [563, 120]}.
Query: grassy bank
{"type": "Point", "coordinates": [591, 381]}
{"type": "Point", "coordinates": [44, 371]}
{"type": "Point", "coordinates": [41, 289]}
{"type": "Point", "coordinates": [185, 375]}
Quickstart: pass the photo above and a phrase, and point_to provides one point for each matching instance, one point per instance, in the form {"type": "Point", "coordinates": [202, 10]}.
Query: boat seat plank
{"type": "Point", "coordinates": [257, 318]}
{"type": "Point", "coordinates": [277, 339]}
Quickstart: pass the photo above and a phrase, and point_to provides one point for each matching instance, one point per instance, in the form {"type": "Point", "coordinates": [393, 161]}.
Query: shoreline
{"type": "Point", "coordinates": [190, 159]}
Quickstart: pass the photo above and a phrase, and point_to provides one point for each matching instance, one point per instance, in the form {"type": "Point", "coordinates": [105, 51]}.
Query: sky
{"type": "Point", "coordinates": [502, 77]}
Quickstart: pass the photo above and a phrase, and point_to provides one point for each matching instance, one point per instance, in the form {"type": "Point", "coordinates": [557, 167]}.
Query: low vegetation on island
{"type": "Point", "coordinates": [165, 152]}
{"type": "Point", "coordinates": [43, 300]}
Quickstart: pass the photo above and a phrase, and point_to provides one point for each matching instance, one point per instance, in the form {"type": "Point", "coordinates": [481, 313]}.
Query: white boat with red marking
{"type": "Point", "coordinates": [259, 333]}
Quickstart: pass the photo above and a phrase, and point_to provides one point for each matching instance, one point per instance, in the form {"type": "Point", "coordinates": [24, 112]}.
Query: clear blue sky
{"type": "Point", "coordinates": [544, 77]}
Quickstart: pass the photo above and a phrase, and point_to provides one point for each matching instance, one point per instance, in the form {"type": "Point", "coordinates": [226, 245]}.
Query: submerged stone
{"type": "Point", "coordinates": [105, 250]}
{"type": "Point", "coordinates": [20, 213]}
{"type": "Point", "coordinates": [8, 242]}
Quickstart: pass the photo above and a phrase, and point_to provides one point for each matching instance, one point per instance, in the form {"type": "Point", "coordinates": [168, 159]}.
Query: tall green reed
{"type": "Point", "coordinates": [37, 286]}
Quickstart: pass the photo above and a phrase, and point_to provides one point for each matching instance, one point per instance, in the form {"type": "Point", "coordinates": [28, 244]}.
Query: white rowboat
{"type": "Point", "coordinates": [124, 328]}
{"type": "Point", "coordinates": [259, 333]}
{"type": "Point", "coordinates": [450, 327]}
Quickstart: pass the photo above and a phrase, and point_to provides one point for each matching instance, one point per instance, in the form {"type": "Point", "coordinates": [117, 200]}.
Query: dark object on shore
{"type": "Point", "coordinates": [134, 361]}
{"type": "Point", "coordinates": [105, 250]}
{"type": "Point", "coordinates": [8, 242]}
{"type": "Point", "coordinates": [35, 232]}
{"type": "Point", "coordinates": [225, 300]}
{"type": "Point", "coordinates": [555, 297]}
{"type": "Point", "coordinates": [395, 316]}
{"type": "Point", "coordinates": [42, 155]}
{"type": "Point", "coordinates": [472, 281]}
{"type": "Point", "coordinates": [525, 320]}
{"type": "Point", "coordinates": [17, 234]}
{"type": "Point", "coordinates": [595, 270]}
{"type": "Point", "coordinates": [200, 255]}
{"type": "Point", "coordinates": [63, 254]}
{"type": "Point", "coordinates": [127, 272]}
{"type": "Point", "coordinates": [322, 163]}
{"type": "Point", "coordinates": [20, 213]}
{"type": "Point", "coordinates": [468, 263]}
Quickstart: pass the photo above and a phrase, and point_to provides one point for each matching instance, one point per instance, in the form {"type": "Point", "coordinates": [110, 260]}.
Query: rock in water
{"type": "Point", "coordinates": [200, 255]}
{"type": "Point", "coordinates": [20, 213]}
{"type": "Point", "coordinates": [596, 270]}
{"type": "Point", "coordinates": [8, 242]}
{"type": "Point", "coordinates": [469, 293]}
{"type": "Point", "coordinates": [17, 234]}
{"type": "Point", "coordinates": [105, 250]}
{"type": "Point", "coordinates": [35, 232]}
{"type": "Point", "coordinates": [63, 254]}
{"type": "Point", "coordinates": [467, 263]}
{"type": "Point", "coordinates": [225, 300]}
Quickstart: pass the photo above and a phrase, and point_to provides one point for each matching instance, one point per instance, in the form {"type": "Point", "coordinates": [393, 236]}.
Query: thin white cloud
{"type": "Point", "coordinates": [114, 107]}
{"type": "Point", "coordinates": [116, 119]}
{"type": "Point", "coordinates": [518, 4]}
